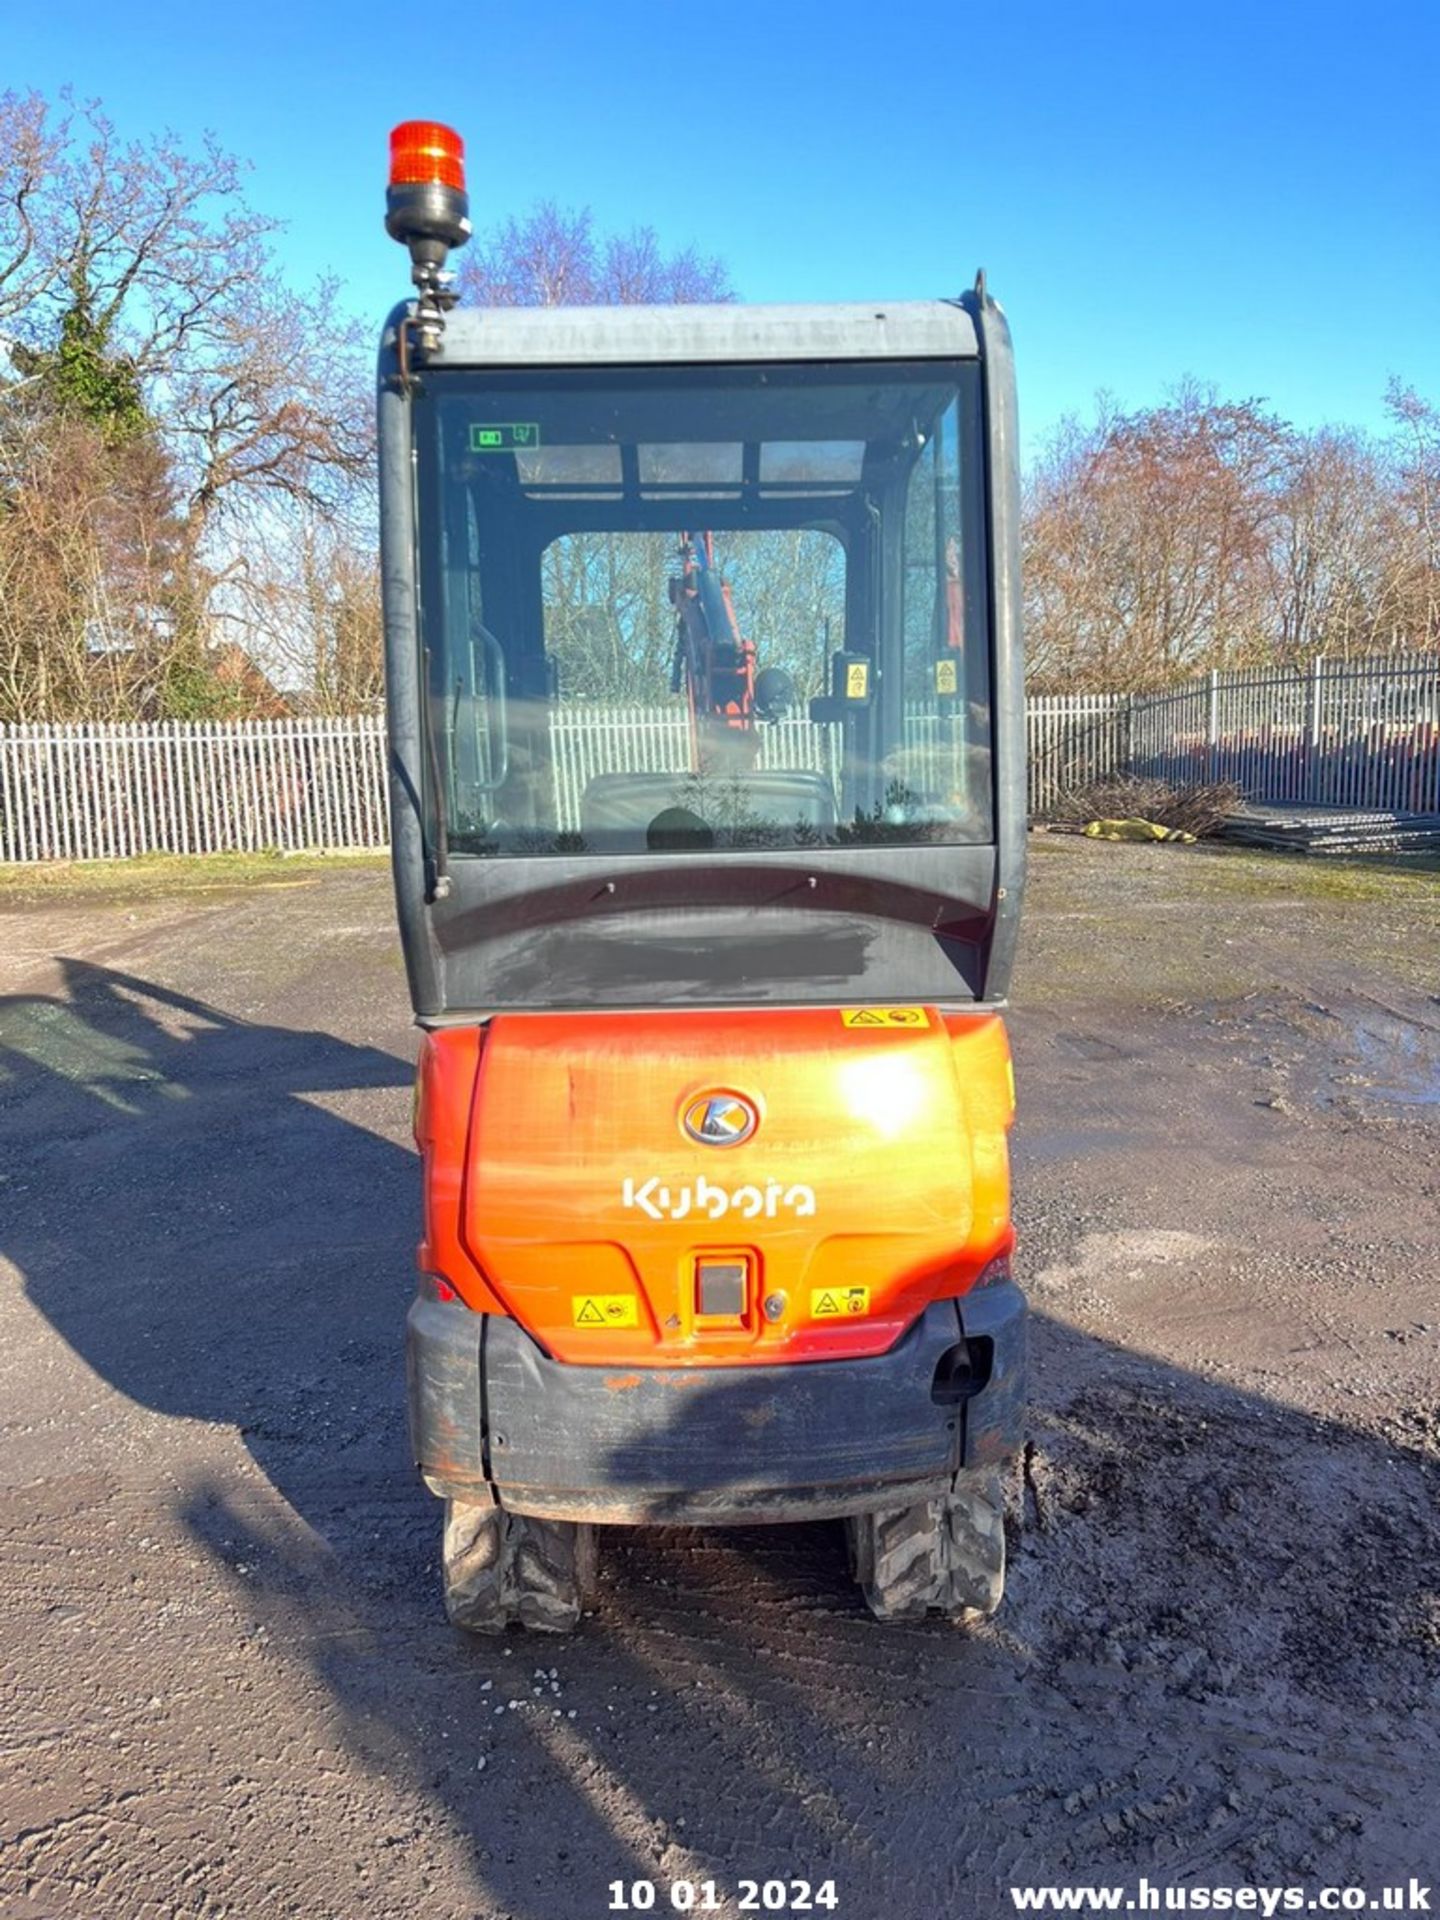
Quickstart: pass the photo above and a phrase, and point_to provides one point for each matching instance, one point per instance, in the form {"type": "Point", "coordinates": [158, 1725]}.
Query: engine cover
{"type": "Point", "coordinates": [819, 1175]}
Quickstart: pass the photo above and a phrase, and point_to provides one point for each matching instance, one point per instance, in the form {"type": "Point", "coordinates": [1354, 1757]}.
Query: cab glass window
{"type": "Point", "coordinates": [729, 609]}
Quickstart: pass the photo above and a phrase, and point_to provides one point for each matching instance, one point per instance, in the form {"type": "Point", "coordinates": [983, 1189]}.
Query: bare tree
{"type": "Point", "coordinates": [30, 146]}
{"type": "Point", "coordinates": [158, 335]}
{"type": "Point", "coordinates": [275, 407]}
{"type": "Point", "coordinates": [1207, 534]}
{"type": "Point", "coordinates": [88, 550]}
{"type": "Point", "coordinates": [1146, 542]}
{"type": "Point", "coordinates": [155, 239]}
{"type": "Point", "coordinates": [185, 439]}
{"type": "Point", "coordinates": [1337, 558]}
{"type": "Point", "coordinates": [1417, 460]}
{"type": "Point", "coordinates": [308, 604]}
{"type": "Point", "coordinates": [163, 270]}
{"type": "Point", "coordinates": [553, 257]}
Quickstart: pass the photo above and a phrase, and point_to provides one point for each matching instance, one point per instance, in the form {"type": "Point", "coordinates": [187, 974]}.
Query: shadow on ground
{"type": "Point", "coordinates": [1222, 1610]}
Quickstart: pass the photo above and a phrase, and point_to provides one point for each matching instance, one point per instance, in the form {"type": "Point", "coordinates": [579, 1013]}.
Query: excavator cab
{"type": "Point", "coordinates": [707, 793]}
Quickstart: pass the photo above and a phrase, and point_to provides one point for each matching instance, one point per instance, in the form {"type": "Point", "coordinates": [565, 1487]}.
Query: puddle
{"type": "Point", "coordinates": [1376, 1056]}
{"type": "Point", "coordinates": [1352, 1053]}
{"type": "Point", "coordinates": [1400, 1060]}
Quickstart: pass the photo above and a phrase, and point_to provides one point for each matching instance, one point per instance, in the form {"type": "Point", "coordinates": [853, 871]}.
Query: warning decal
{"type": "Point", "coordinates": [604, 1310]}
{"type": "Point", "coordinates": [857, 680]}
{"type": "Point", "coordinates": [947, 678]}
{"type": "Point", "coordinates": [838, 1303]}
{"type": "Point", "coordinates": [884, 1017]}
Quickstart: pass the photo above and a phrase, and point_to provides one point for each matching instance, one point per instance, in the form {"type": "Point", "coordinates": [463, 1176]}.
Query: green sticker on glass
{"type": "Point", "coordinates": [507, 436]}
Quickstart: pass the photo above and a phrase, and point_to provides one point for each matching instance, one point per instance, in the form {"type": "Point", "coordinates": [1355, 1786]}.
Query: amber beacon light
{"type": "Point", "coordinates": [428, 211]}
{"type": "Point", "coordinates": [423, 153]}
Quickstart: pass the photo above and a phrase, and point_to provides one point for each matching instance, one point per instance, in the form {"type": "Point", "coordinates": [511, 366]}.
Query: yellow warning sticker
{"type": "Point", "coordinates": [605, 1310]}
{"type": "Point", "coordinates": [884, 1017]}
{"type": "Point", "coordinates": [857, 680]}
{"type": "Point", "coordinates": [838, 1303]}
{"type": "Point", "coordinates": [947, 678]}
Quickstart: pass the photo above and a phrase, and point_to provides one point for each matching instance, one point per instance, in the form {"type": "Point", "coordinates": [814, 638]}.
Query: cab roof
{"type": "Point", "coordinates": [643, 336]}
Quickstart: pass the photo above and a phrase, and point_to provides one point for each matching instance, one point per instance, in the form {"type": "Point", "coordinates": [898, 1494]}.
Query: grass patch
{"type": "Point", "coordinates": [158, 875]}
{"type": "Point", "coordinates": [1215, 869]}
{"type": "Point", "coordinates": [1149, 926]}
{"type": "Point", "coordinates": [1320, 876]}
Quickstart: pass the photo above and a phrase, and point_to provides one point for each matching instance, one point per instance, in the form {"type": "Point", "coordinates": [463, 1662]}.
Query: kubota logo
{"type": "Point", "coordinates": [661, 1201]}
{"type": "Point", "coordinates": [720, 1119]}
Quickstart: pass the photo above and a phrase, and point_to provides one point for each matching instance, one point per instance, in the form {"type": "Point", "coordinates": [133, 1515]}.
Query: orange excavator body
{"type": "Point", "coordinates": [563, 1188]}
{"type": "Point", "coordinates": [714, 1090]}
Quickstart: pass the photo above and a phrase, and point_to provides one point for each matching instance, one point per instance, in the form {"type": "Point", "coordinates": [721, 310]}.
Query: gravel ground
{"type": "Point", "coordinates": [229, 1689]}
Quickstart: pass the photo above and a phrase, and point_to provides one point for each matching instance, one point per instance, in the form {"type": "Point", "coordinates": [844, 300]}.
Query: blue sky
{"type": "Point", "coordinates": [1243, 193]}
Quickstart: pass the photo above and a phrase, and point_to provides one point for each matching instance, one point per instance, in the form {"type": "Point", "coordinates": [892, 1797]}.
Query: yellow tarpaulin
{"type": "Point", "coordinates": [1135, 830]}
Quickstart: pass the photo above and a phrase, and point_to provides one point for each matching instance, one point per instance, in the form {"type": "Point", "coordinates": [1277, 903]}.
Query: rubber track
{"type": "Point", "coordinates": [502, 1569]}
{"type": "Point", "coordinates": [939, 1556]}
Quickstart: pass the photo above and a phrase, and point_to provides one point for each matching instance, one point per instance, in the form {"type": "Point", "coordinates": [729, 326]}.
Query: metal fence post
{"type": "Point", "coordinates": [1312, 739]}
{"type": "Point", "coordinates": [1212, 726]}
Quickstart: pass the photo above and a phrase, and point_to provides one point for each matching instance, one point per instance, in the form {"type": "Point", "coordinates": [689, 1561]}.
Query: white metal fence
{"type": "Point", "coordinates": [1072, 739]}
{"type": "Point", "coordinates": [1362, 735]}
{"type": "Point", "coordinates": [1340, 734]}
{"type": "Point", "coordinates": [586, 741]}
{"type": "Point", "coordinates": [95, 791]}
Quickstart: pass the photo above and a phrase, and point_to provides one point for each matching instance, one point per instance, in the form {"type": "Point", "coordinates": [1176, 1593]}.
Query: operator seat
{"type": "Point", "coordinates": [636, 812]}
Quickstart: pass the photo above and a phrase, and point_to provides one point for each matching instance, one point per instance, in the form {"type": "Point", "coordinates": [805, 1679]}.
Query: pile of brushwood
{"type": "Point", "coordinates": [1198, 810]}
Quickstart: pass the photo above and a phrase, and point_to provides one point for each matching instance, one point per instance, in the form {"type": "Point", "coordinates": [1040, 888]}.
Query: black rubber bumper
{"type": "Point", "coordinates": [491, 1414]}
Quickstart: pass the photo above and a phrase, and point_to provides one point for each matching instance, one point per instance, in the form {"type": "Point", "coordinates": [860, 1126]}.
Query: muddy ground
{"type": "Point", "coordinates": [229, 1689]}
